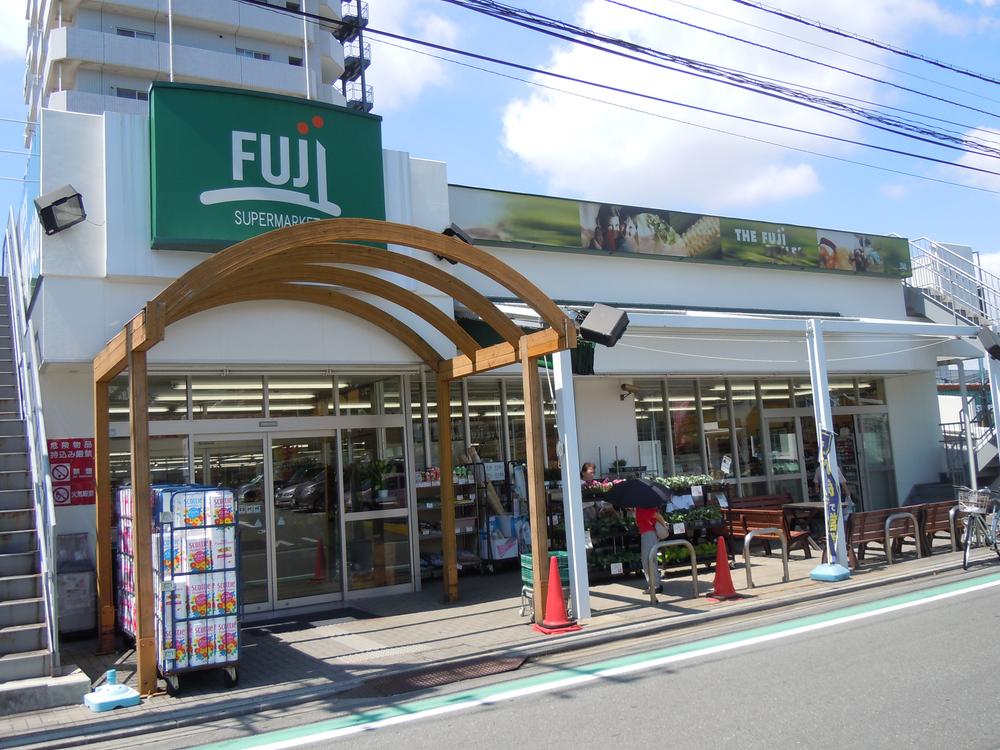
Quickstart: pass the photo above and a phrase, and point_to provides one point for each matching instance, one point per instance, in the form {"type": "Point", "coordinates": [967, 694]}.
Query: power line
{"type": "Point", "coordinates": [719, 74]}
{"type": "Point", "coordinates": [700, 126]}
{"type": "Point", "coordinates": [865, 40]}
{"type": "Point", "coordinates": [325, 22]}
{"type": "Point", "coordinates": [837, 68]}
{"type": "Point", "coordinates": [836, 51]}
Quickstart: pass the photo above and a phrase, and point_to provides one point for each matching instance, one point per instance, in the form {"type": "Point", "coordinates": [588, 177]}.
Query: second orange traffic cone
{"type": "Point", "coordinates": [556, 620]}
{"type": "Point", "coordinates": [319, 570]}
{"type": "Point", "coordinates": [723, 587]}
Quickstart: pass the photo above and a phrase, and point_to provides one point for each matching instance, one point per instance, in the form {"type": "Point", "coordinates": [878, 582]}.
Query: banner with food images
{"type": "Point", "coordinates": [494, 217]}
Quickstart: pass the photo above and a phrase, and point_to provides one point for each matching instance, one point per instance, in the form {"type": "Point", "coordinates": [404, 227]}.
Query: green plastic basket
{"type": "Point", "coordinates": [527, 574]}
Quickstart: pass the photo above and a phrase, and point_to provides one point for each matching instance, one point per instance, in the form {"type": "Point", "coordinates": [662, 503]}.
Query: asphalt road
{"type": "Point", "coordinates": [915, 672]}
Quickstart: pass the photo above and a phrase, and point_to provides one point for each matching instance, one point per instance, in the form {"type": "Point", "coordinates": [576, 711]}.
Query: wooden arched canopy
{"type": "Point", "coordinates": [306, 263]}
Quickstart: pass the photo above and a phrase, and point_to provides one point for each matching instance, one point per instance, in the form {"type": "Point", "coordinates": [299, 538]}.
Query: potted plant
{"type": "Point", "coordinates": [618, 466]}
{"type": "Point", "coordinates": [377, 469]}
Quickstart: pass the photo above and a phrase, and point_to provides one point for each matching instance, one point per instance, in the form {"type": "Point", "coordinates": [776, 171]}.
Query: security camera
{"type": "Point", "coordinates": [630, 390]}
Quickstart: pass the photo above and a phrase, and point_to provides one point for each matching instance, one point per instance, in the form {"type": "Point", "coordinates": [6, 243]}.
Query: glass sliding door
{"type": "Point", "coordinates": [376, 514]}
{"type": "Point", "coordinates": [787, 465]}
{"type": "Point", "coordinates": [306, 517]}
{"type": "Point", "coordinates": [239, 465]}
{"type": "Point", "coordinates": [878, 468]}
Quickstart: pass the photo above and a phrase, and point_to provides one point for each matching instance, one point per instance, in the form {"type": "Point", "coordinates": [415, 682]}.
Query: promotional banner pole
{"type": "Point", "coordinates": [834, 569]}
{"type": "Point", "coordinates": [572, 489]}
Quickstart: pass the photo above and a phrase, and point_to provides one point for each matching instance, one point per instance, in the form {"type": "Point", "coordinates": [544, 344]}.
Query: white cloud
{"type": "Point", "coordinates": [588, 149]}
{"type": "Point", "coordinates": [894, 190]}
{"type": "Point", "coordinates": [990, 262]}
{"type": "Point", "coordinates": [13, 30]}
{"type": "Point", "coordinates": [401, 76]}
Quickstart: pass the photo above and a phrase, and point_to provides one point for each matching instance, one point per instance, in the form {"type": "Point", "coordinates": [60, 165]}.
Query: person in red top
{"type": "Point", "coordinates": [646, 519]}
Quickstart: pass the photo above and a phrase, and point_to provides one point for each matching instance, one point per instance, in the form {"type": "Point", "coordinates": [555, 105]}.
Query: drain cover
{"type": "Point", "coordinates": [381, 687]}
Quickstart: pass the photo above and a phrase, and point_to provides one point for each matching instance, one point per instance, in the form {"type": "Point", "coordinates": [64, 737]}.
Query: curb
{"type": "Point", "coordinates": [173, 718]}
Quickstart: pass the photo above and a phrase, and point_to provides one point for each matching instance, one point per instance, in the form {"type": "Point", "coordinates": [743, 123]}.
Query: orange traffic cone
{"type": "Point", "coordinates": [556, 620]}
{"type": "Point", "coordinates": [722, 588]}
{"type": "Point", "coordinates": [319, 570]}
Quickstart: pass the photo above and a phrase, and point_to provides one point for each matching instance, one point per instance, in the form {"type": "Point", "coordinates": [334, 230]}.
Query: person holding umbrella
{"type": "Point", "coordinates": [647, 519]}
{"type": "Point", "coordinates": [648, 498]}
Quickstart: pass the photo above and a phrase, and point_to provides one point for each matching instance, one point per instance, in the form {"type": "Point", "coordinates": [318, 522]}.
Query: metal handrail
{"type": "Point", "coordinates": [981, 289]}
{"type": "Point", "coordinates": [746, 551]}
{"type": "Point", "coordinates": [916, 533]}
{"type": "Point", "coordinates": [29, 395]}
{"type": "Point", "coordinates": [651, 565]}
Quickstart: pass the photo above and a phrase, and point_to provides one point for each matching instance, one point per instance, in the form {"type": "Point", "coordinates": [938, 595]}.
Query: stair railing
{"type": "Point", "coordinates": [961, 282]}
{"type": "Point", "coordinates": [30, 393]}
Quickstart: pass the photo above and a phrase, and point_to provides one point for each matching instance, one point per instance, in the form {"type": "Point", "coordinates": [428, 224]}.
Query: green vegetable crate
{"type": "Point", "coordinates": [527, 576]}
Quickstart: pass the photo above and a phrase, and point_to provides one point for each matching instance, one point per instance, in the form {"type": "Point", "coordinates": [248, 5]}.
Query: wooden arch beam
{"type": "Point", "coordinates": [328, 298]}
{"type": "Point", "coordinates": [244, 254]}
{"type": "Point", "coordinates": [387, 260]}
{"type": "Point", "coordinates": [279, 270]}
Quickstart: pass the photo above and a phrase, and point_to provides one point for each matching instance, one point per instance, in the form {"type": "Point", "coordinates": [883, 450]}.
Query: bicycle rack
{"type": "Point", "coordinates": [746, 551]}
{"type": "Point", "coordinates": [916, 533]}
{"type": "Point", "coordinates": [953, 522]}
{"type": "Point", "coordinates": [651, 563]}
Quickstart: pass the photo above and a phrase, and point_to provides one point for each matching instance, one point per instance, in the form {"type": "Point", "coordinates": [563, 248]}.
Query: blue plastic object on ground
{"type": "Point", "coordinates": [111, 695]}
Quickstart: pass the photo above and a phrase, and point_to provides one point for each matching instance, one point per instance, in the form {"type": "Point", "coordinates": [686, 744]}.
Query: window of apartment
{"type": "Point", "coordinates": [296, 61]}
{"type": "Point", "coordinates": [142, 96]}
{"type": "Point", "coordinates": [255, 54]}
{"type": "Point", "coordinates": [135, 34]}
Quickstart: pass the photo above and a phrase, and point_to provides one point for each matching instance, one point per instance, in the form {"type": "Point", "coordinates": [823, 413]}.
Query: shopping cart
{"type": "Point", "coordinates": [528, 581]}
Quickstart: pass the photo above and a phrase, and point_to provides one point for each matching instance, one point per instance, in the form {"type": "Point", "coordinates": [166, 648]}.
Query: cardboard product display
{"type": "Point", "coordinates": [196, 576]}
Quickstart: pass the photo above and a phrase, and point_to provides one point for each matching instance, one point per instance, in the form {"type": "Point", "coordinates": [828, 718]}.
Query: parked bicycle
{"type": "Point", "coordinates": [977, 505]}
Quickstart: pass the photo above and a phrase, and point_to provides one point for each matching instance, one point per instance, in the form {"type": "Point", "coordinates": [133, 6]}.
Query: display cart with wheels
{"type": "Point", "coordinates": [195, 580]}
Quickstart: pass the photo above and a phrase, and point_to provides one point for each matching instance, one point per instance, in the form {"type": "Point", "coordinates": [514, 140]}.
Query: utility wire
{"type": "Point", "coordinates": [836, 51]}
{"type": "Point", "coordinates": [700, 126]}
{"type": "Point", "coordinates": [328, 23]}
{"type": "Point", "coordinates": [813, 61]}
{"type": "Point", "coordinates": [865, 40]}
{"type": "Point", "coordinates": [719, 74]}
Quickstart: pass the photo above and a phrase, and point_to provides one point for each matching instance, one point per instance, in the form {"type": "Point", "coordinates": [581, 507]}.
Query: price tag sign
{"type": "Point", "coordinates": [696, 491]}
{"type": "Point", "coordinates": [727, 465]}
{"type": "Point", "coordinates": [617, 569]}
{"type": "Point", "coordinates": [720, 498]}
{"type": "Point", "coordinates": [678, 528]}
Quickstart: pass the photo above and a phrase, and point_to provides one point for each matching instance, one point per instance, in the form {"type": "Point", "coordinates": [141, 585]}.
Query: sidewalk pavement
{"type": "Point", "coordinates": [286, 662]}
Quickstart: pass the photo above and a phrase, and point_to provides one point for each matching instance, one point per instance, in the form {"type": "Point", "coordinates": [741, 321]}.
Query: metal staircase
{"type": "Point", "coordinates": [31, 675]}
{"type": "Point", "coordinates": [953, 283]}
{"type": "Point", "coordinates": [956, 289]}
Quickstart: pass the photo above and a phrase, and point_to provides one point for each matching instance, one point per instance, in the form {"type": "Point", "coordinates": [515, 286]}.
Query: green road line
{"type": "Point", "coordinates": [478, 694]}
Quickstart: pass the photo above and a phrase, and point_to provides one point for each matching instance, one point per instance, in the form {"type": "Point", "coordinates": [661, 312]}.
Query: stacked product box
{"type": "Point", "coordinates": [125, 604]}
{"type": "Point", "coordinates": [195, 582]}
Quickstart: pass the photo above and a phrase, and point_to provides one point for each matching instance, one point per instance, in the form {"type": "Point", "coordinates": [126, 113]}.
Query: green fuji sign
{"type": "Point", "coordinates": [227, 164]}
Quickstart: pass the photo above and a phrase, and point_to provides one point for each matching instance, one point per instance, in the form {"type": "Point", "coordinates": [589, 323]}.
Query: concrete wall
{"type": "Point", "coordinates": [915, 430]}
{"type": "Point", "coordinates": [604, 423]}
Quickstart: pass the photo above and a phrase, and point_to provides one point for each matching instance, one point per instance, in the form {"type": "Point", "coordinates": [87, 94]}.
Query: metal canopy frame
{"type": "Point", "coordinates": [299, 263]}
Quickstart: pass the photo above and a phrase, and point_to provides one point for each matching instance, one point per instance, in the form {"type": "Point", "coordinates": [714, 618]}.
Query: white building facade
{"type": "Point", "coordinates": [282, 401]}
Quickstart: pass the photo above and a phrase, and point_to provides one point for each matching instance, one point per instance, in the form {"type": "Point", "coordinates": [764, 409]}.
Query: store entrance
{"type": "Point", "coordinates": [864, 455]}
{"type": "Point", "coordinates": [305, 536]}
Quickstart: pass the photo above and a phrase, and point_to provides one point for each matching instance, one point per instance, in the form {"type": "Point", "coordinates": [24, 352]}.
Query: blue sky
{"type": "Point", "coordinates": [583, 143]}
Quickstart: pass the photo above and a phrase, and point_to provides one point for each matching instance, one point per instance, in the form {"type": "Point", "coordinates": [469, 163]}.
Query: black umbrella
{"type": "Point", "coordinates": [638, 493]}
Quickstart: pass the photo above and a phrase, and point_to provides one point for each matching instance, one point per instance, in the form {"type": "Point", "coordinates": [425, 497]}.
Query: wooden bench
{"type": "Point", "coordinates": [746, 520]}
{"type": "Point", "coordinates": [869, 527]}
{"type": "Point", "coordinates": [758, 502]}
{"type": "Point", "coordinates": [935, 518]}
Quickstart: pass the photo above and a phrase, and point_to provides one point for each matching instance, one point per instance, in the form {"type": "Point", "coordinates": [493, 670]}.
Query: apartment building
{"type": "Point", "coordinates": [96, 56]}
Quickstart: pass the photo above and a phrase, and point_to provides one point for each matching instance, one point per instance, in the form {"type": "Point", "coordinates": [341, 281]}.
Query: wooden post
{"type": "Point", "coordinates": [142, 517]}
{"type": "Point", "coordinates": [105, 521]}
{"type": "Point", "coordinates": [533, 442]}
{"type": "Point", "coordinates": [449, 548]}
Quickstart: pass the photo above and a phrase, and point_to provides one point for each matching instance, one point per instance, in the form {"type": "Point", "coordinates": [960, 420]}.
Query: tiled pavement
{"type": "Point", "coordinates": [294, 660]}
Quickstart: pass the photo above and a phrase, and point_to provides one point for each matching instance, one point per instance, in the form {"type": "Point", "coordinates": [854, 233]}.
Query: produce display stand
{"type": "Point", "coordinates": [195, 579]}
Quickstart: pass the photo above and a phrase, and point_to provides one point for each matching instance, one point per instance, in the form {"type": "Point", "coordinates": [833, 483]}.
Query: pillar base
{"type": "Point", "coordinates": [831, 573]}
